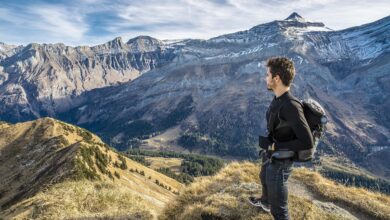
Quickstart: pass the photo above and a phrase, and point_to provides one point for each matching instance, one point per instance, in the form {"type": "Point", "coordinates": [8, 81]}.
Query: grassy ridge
{"type": "Point", "coordinates": [65, 172]}
{"type": "Point", "coordinates": [224, 196]}
{"type": "Point", "coordinates": [373, 204]}
{"type": "Point", "coordinates": [84, 199]}
{"type": "Point", "coordinates": [343, 171]}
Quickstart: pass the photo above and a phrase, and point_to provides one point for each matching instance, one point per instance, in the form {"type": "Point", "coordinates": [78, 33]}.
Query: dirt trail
{"type": "Point", "coordinates": [298, 189]}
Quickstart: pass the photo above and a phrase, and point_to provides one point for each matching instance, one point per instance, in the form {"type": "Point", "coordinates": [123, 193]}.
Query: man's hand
{"type": "Point", "coordinates": [264, 142]}
{"type": "Point", "coordinates": [272, 147]}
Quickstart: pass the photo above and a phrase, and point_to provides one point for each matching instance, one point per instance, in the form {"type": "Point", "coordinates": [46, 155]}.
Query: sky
{"type": "Point", "coordinates": [92, 22]}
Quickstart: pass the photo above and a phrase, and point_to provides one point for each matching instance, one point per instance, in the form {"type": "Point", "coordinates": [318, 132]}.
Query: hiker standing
{"type": "Point", "coordinates": [288, 132]}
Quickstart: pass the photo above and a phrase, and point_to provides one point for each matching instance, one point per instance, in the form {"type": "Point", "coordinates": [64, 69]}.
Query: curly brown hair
{"type": "Point", "coordinates": [283, 67]}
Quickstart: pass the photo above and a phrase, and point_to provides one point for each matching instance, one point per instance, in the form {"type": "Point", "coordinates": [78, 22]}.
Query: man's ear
{"type": "Point", "coordinates": [277, 77]}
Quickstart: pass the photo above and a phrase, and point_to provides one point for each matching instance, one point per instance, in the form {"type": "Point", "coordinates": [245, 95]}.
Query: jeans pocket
{"type": "Point", "coordinates": [285, 174]}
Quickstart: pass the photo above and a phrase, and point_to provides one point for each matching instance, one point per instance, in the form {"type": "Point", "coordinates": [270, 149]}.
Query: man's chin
{"type": "Point", "coordinates": [269, 89]}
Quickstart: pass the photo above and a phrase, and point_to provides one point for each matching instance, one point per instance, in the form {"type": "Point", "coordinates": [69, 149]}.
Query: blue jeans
{"type": "Point", "coordinates": [273, 177]}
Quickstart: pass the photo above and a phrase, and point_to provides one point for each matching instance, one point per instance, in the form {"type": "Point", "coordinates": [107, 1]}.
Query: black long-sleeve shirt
{"type": "Point", "coordinates": [289, 130]}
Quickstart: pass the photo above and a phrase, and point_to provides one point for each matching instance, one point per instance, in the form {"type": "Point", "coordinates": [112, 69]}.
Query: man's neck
{"type": "Point", "coordinates": [280, 91]}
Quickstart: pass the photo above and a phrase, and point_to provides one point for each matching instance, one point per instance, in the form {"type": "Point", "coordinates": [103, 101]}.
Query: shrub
{"type": "Point", "coordinates": [117, 175]}
{"type": "Point", "coordinates": [123, 164]}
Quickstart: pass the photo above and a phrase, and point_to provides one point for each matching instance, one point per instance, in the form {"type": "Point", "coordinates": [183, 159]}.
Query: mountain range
{"type": "Point", "coordinates": [209, 96]}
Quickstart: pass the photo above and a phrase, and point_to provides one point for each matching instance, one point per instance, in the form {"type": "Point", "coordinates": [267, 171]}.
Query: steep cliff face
{"type": "Point", "coordinates": [41, 80]}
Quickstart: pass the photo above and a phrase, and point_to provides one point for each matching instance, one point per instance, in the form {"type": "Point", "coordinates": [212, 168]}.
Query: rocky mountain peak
{"type": "Point", "coordinates": [143, 38]}
{"type": "Point", "coordinates": [144, 43]}
{"type": "Point", "coordinates": [295, 17]}
{"type": "Point", "coordinates": [297, 23]}
{"type": "Point", "coordinates": [7, 50]}
{"type": "Point", "coordinates": [294, 24]}
{"type": "Point", "coordinates": [116, 43]}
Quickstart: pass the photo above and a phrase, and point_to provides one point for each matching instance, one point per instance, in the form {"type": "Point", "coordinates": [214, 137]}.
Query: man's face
{"type": "Point", "coordinates": [271, 84]}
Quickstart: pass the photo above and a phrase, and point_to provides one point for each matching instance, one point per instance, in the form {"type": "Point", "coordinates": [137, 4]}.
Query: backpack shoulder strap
{"type": "Point", "coordinates": [297, 100]}
{"type": "Point", "coordinates": [284, 102]}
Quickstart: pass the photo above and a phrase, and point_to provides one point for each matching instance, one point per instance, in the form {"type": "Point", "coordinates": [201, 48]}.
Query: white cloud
{"type": "Point", "coordinates": [59, 22]}
{"type": "Point", "coordinates": [195, 19]}
{"type": "Point", "coordinates": [42, 23]}
{"type": "Point", "coordinates": [85, 21]}
{"type": "Point", "coordinates": [345, 14]}
{"type": "Point", "coordinates": [206, 19]}
{"type": "Point", "coordinates": [11, 17]}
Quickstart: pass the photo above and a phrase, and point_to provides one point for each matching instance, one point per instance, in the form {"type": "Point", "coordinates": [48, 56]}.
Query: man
{"type": "Point", "coordinates": [288, 131]}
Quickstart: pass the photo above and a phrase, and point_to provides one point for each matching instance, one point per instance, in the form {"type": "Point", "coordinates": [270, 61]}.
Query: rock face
{"type": "Point", "coordinates": [38, 80]}
{"type": "Point", "coordinates": [213, 90]}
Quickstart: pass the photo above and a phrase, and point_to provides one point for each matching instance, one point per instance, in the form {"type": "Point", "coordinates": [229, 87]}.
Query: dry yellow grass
{"type": "Point", "coordinates": [375, 205]}
{"type": "Point", "coordinates": [162, 162]}
{"type": "Point", "coordinates": [82, 199]}
{"type": "Point", "coordinates": [164, 141]}
{"type": "Point", "coordinates": [144, 185]}
{"type": "Point", "coordinates": [225, 196]}
{"type": "Point", "coordinates": [32, 161]}
{"type": "Point", "coordinates": [343, 165]}
{"type": "Point", "coordinates": [3, 125]}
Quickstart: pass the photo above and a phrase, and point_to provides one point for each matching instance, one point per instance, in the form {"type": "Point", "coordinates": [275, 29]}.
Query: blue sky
{"type": "Point", "coordinates": [91, 22]}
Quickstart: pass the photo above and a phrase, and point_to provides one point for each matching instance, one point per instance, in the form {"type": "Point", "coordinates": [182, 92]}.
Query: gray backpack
{"type": "Point", "coordinates": [316, 118]}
